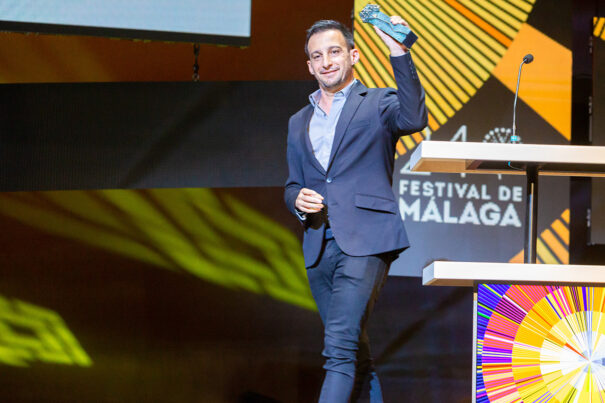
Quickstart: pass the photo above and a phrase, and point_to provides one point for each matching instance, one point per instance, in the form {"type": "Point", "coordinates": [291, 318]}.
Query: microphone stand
{"type": "Point", "coordinates": [514, 139]}
{"type": "Point", "coordinates": [531, 189]}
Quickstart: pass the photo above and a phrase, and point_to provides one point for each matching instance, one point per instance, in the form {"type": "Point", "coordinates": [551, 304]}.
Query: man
{"type": "Point", "coordinates": [340, 157]}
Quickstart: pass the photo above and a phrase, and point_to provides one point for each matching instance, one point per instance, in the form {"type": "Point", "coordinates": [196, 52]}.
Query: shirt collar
{"type": "Point", "coordinates": [314, 97]}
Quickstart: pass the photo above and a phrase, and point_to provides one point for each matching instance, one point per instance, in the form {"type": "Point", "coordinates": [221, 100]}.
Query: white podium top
{"type": "Point", "coordinates": [458, 157]}
{"type": "Point", "coordinates": [471, 273]}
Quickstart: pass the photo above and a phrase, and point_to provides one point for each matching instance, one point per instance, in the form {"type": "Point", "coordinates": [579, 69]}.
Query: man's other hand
{"type": "Point", "coordinates": [396, 48]}
{"type": "Point", "coordinates": [309, 201]}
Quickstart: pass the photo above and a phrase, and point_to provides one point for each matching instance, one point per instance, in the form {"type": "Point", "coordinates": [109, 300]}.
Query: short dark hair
{"type": "Point", "coordinates": [327, 25]}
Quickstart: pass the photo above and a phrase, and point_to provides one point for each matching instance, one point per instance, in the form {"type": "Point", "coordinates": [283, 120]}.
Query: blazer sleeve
{"type": "Point", "coordinates": [296, 179]}
{"type": "Point", "coordinates": [403, 111]}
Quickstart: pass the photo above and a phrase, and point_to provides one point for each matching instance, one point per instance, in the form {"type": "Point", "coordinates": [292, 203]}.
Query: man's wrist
{"type": "Point", "coordinates": [397, 51]}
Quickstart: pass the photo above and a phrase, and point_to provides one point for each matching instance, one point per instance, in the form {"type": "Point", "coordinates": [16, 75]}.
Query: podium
{"type": "Point", "coordinates": [538, 330]}
{"type": "Point", "coordinates": [531, 160]}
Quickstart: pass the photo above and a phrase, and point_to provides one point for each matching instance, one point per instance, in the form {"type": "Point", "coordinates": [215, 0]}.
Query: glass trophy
{"type": "Point", "coordinates": [371, 14]}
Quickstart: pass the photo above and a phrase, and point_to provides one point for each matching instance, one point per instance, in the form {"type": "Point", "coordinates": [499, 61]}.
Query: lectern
{"type": "Point", "coordinates": [539, 330]}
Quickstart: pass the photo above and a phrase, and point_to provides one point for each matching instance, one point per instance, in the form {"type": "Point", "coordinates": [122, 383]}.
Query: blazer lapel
{"type": "Point", "coordinates": [307, 140]}
{"type": "Point", "coordinates": [348, 111]}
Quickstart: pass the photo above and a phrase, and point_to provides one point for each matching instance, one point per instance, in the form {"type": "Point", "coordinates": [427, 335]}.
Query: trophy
{"type": "Point", "coordinates": [402, 34]}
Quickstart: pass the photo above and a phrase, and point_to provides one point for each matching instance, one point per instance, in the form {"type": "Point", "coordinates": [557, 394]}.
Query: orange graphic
{"type": "Point", "coordinates": [546, 82]}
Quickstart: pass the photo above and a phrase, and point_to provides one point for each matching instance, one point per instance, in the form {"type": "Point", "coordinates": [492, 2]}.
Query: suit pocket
{"type": "Point", "coordinates": [375, 203]}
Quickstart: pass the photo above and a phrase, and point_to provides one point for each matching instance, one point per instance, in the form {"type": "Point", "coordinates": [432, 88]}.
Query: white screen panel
{"type": "Point", "coordinates": [195, 17]}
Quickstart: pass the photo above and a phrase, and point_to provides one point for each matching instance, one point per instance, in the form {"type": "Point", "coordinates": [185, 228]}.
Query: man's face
{"type": "Point", "coordinates": [330, 61]}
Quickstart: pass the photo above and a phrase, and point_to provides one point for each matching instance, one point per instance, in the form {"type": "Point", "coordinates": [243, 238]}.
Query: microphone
{"type": "Point", "coordinates": [527, 59]}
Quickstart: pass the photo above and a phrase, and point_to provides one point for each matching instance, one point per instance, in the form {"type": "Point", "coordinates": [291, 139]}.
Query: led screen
{"type": "Point", "coordinates": [539, 343]}
{"type": "Point", "coordinates": [226, 21]}
{"type": "Point", "coordinates": [597, 227]}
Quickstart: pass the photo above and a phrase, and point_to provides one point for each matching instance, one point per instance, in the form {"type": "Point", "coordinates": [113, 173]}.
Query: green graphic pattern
{"type": "Point", "coordinates": [31, 333]}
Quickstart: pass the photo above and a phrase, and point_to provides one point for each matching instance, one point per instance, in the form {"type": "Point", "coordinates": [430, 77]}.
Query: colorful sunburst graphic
{"type": "Point", "coordinates": [540, 343]}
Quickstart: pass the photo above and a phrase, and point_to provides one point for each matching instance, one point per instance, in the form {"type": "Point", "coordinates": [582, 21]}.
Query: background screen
{"type": "Point", "coordinates": [153, 19]}
{"type": "Point", "coordinates": [597, 228]}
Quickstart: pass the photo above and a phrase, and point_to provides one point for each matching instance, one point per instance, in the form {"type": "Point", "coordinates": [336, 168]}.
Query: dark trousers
{"type": "Point", "coordinates": [345, 289]}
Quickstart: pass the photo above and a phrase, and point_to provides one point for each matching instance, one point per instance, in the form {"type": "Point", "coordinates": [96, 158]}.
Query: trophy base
{"type": "Point", "coordinates": [409, 39]}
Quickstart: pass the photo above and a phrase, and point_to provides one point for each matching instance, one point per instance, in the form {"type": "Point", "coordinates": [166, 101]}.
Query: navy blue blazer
{"type": "Point", "coordinates": [357, 186]}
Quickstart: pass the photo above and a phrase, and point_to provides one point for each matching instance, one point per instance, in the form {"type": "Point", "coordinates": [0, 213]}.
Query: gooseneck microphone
{"type": "Point", "coordinates": [514, 139]}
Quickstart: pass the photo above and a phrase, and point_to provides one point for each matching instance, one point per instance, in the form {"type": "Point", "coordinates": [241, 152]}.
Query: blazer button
{"type": "Point", "coordinates": [329, 180]}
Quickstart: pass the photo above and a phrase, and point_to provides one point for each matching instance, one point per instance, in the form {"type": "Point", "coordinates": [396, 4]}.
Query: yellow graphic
{"type": "Point", "coordinates": [218, 239]}
{"type": "Point", "coordinates": [31, 333]}
{"type": "Point", "coordinates": [460, 42]}
{"type": "Point", "coordinates": [552, 245]}
{"type": "Point", "coordinates": [599, 27]}
{"type": "Point", "coordinates": [408, 143]}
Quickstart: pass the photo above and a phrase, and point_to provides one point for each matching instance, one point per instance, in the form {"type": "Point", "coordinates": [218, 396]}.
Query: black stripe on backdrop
{"type": "Point", "coordinates": [146, 135]}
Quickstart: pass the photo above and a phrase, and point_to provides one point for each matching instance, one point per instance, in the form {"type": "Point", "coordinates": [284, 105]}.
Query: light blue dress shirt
{"type": "Point", "coordinates": [323, 125]}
